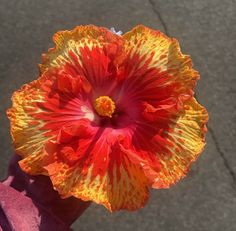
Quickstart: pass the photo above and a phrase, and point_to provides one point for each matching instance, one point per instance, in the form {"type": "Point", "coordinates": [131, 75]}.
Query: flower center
{"type": "Point", "coordinates": [104, 106]}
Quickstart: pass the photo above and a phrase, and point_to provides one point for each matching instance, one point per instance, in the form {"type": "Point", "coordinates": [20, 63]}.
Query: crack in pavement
{"type": "Point", "coordinates": [159, 16]}
{"type": "Point", "coordinates": [222, 155]}
{"type": "Point", "coordinates": [225, 160]}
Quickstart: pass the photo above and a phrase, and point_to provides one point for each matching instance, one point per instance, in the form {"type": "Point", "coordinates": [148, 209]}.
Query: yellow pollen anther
{"type": "Point", "coordinates": [104, 106]}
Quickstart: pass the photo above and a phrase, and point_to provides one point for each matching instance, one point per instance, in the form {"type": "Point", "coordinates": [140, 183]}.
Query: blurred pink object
{"type": "Point", "coordinates": [29, 203]}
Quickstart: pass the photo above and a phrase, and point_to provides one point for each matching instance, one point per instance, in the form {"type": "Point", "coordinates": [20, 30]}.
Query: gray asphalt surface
{"type": "Point", "coordinates": [206, 199]}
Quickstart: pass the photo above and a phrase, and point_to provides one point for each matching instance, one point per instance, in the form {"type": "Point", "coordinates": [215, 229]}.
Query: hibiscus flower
{"type": "Point", "coordinates": [110, 116]}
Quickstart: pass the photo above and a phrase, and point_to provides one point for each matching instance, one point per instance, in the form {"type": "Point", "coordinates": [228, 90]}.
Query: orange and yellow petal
{"type": "Point", "coordinates": [33, 164]}
{"type": "Point", "coordinates": [28, 136]}
{"type": "Point", "coordinates": [128, 184]}
{"type": "Point", "coordinates": [155, 62]}
{"type": "Point", "coordinates": [106, 175]}
{"type": "Point", "coordinates": [88, 49]}
{"type": "Point", "coordinates": [40, 109]}
{"type": "Point", "coordinates": [186, 138]}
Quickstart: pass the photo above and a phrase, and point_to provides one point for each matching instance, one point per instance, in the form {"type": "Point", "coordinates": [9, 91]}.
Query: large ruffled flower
{"type": "Point", "coordinates": [110, 116]}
